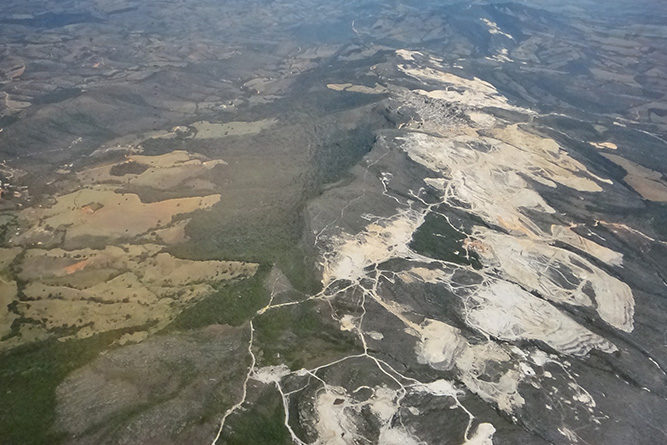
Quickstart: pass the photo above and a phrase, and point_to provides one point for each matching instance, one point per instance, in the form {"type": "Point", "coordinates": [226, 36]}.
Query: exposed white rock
{"type": "Point", "coordinates": [494, 28]}
{"type": "Point", "coordinates": [505, 311]}
{"type": "Point", "coordinates": [483, 435]}
{"type": "Point", "coordinates": [270, 374]}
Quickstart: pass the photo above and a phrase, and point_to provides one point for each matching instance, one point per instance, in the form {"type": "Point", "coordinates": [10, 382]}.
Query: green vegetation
{"type": "Point", "coordinates": [260, 216]}
{"type": "Point", "coordinates": [233, 303]}
{"type": "Point", "coordinates": [270, 235]}
{"type": "Point", "coordinates": [334, 158]}
{"type": "Point", "coordinates": [214, 403]}
{"type": "Point", "coordinates": [127, 168]}
{"type": "Point", "coordinates": [436, 238]}
{"type": "Point", "coordinates": [7, 226]}
{"type": "Point", "coordinates": [260, 220]}
{"type": "Point", "coordinates": [298, 337]}
{"type": "Point", "coordinates": [29, 376]}
{"type": "Point", "coordinates": [262, 423]}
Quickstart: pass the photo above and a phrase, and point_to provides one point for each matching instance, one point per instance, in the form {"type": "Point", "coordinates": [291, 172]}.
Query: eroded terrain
{"type": "Point", "coordinates": [331, 223]}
